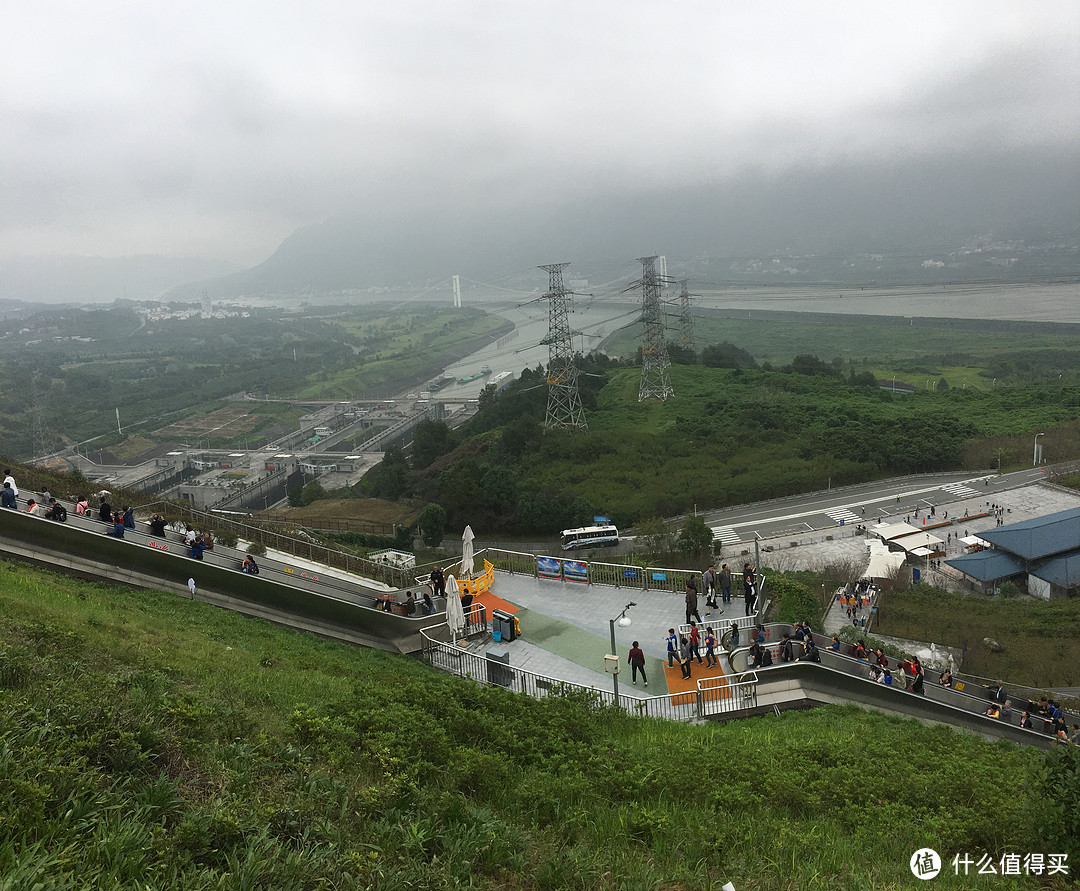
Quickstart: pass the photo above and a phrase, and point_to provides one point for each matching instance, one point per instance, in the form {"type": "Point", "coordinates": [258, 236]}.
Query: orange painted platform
{"type": "Point", "coordinates": [676, 683]}
{"type": "Point", "coordinates": [494, 601]}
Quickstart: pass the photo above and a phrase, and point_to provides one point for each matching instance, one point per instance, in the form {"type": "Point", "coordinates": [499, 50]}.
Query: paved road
{"type": "Point", "coordinates": [866, 503]}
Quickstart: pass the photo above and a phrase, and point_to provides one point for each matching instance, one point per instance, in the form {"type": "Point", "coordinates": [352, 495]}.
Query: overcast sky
{"type": "Point", "coordinates": [216, 129]}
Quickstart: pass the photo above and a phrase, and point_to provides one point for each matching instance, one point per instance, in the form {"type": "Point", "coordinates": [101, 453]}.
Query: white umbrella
{"type": "Point", "coordinates": [455, 613]}
{"type": "Point", "coordinates": [467, 553]}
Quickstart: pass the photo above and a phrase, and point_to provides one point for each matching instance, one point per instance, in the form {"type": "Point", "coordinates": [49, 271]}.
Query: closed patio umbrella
{"type": "Point", "coordinates": [455, 613]}
{"type": "Point", "coordinates": [467, 553]}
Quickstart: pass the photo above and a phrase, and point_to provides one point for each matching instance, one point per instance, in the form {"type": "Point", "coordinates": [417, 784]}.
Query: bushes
{"type": "Point", "coordinates": [797, 602]}
{"type": "Point", "coordinates": [179, 753]}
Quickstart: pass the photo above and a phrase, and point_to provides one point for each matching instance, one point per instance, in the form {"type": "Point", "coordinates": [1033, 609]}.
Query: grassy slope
{"type": "Point", "coordinates": [1039, 637]}
{"type": "Point", "coordinates": [146, 740]}
{"type": "Point", "coordinates": [768, 437]}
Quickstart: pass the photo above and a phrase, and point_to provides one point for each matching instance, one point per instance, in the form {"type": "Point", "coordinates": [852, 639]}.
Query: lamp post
{"type": "Point", "coordinates": [1035, 456]}
{"type": "Point", "coordinates": [624, 620]}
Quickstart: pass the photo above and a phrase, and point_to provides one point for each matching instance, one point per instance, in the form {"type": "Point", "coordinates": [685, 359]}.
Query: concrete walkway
{"type": "Point", "coordinates": [565, 625]}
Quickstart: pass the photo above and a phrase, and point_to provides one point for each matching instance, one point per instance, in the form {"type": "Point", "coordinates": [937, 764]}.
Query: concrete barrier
{"type": "Point", "coordinates": [84, 550]}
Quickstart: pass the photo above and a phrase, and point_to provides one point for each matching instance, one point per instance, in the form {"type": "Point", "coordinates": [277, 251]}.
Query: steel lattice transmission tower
{"type": "Point", "coordinates": [655, 365]}
{"type": "Point", "coordinates": [686, 318]}
{"type": "Point", "coordinates": [564, 401]}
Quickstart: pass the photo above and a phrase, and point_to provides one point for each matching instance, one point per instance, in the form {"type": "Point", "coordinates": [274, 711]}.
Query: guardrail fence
{"type": "Point", "coordinates": [713, 695]}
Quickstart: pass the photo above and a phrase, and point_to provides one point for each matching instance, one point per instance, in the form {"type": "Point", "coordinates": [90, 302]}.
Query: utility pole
{"type": "Point", "coordinates": [655, 364]}
{"type": "Point", "coordinates": [564, 401]}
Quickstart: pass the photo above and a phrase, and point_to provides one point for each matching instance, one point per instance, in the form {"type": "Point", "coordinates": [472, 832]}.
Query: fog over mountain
{"type": "Point", "coordinates": [361, 145]}
{"type": "Point", "coordinates": [929, 207]}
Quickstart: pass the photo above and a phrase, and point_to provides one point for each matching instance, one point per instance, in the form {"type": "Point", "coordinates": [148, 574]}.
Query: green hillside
{"type": "Point", "coordinates": [155, 743]}
{"type": "Point", "coordinates": [727, 436]}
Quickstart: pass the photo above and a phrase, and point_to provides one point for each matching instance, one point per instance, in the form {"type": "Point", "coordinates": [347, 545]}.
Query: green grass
{"type": "Point", "coordinates": [1038, 637]}
{"type": "Point", "coordinates": [730, 437]}
{"type": "Point", "coordinates": [148, 741]}
{"type": "Point", "coordinates": [867, 341]}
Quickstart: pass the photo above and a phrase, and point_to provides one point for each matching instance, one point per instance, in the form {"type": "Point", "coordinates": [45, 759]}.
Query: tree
{"type": "Point", "coordinates": [431, 439]}
{"type": "Point", "coordinates": [313, 491]}
{"type": "Point", "coordinates": [655, 537]}
{"type": "Point", "coordinates": [432, 524]}
{"type": "Point", "coordinates": [680, 354]}
{"type": "Point", "coordinates": [806, 363]}
{"type": "Point", "coordinates": [726, 355]}
{"type": "Point", "coordinates": [695, 538]}
{"type": "Point", "coordinates": [499, 485]}
{"type": "Point", "coordinates": [388, 478]}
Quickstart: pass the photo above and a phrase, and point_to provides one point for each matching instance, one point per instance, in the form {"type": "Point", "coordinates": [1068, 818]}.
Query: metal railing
{"type": "Point", "coordinates": [292, 544]}
{"type": "Point", "coordinates": [721, 626]}
{"type": "Point", "coordinates": [713, 696]}
{"type": "Point", "coordinates": [725, 695]}
{"type": "Point", "coordinates": [618, 575]}
{"type": "Point", "coordinates": [513, 562]}
{"type": "Point", "coordinates": [672, 581]}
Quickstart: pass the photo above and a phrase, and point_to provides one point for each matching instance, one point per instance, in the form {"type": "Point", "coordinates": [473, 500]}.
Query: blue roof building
{"type": "Point", "coordinates": [1046, 550]}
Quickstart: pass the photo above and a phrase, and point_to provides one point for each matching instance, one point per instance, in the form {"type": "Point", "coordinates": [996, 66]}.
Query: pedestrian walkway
{"type": "Point", "coordinates": [566, 630]}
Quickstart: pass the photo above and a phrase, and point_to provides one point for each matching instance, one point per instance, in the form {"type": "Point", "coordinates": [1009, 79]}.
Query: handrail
{"type": "Point", "coordinates": [388, 574]}
{"type": "Point", "coordinates": [687, 706]}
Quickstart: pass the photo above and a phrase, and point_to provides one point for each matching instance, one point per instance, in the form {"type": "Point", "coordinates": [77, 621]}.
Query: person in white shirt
{"type": "Point", "coordinates": [8, 478]}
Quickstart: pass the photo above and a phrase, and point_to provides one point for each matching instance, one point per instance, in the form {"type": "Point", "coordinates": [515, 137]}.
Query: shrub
{"type": "Point", "coordinates": [797, 602]}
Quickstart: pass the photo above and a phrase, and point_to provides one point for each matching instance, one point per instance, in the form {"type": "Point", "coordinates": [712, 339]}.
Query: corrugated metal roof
{"type": "Point", "coordinates": [1063, 571]}
{"type": "Point", "coordinates": [987, 566]}
{"type": "Point", "coordinates": [1042, 537]}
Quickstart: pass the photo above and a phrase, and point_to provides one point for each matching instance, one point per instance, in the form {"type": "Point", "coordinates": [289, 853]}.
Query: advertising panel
{"type": "Point", "coordinates": [549, 567]}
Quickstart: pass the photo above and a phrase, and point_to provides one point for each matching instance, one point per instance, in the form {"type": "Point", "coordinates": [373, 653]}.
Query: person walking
{"type": "Point", "coordinates": [636, 659]}
{"type": "Point", "coordinates": [695, 642]}
{"type": "Point", "coordinates": [684, 656]}
{"type": "Point", "coordinates": [691, 602]}
{"type": "Point", "coordinates": [749, 588]}
{"type": "Point", "coordinates": [672, 647]}
{"type": "Point", "coordinates": [725, 583]}
{"type": "Point", "coordinates": [708, 585]}
{"type": "Point", "coordinates": [710, 649]}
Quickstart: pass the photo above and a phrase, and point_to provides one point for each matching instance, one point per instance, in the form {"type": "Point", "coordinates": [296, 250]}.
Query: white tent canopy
{"type": "Point", "coordinates": [884, 564]}
{"type": "Point", "coordinates": [891, 531]}
{"type": "Point", "coordinates": [920, 540]}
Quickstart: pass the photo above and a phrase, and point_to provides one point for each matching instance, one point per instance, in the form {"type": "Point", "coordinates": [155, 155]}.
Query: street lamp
{"type": "Point", "coordinates": [624, 620]}
{"type": "Point", "coordinates": [1035, 455]}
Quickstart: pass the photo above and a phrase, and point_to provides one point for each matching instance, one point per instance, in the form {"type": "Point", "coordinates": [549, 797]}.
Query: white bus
{"type": "Point", "coordinates": [590, 537]}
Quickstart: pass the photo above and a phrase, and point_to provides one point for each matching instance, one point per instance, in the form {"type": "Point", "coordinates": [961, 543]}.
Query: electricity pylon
{"type": "Point", "coordinates": [655, 364]}
{"type": "Point", "coordinates": [564, 401]}
{"type": "Point", "coordinates": [686, 318]}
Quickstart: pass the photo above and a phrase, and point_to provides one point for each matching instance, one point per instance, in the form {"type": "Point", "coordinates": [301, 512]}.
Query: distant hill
{"type": "Point", "coordinates": [912, 213]}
